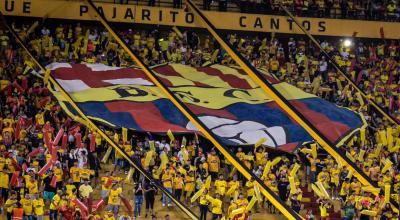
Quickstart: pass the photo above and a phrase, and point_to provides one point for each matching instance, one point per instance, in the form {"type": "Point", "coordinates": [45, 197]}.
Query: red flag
{"type": "Point", "coordinates": [67, 122]}
{"type": "Point", "coordinates": [74, 129]}
{"type": "Point", "coordinates": [15, 165]}
{"type": "Point", "coordinates": [24, 83]}
{"type": "Point", "coordinates": [58, 137]}
{"type": "Point", "coordinates": [64, 142]}
{"type": "Point", "coordinates": [127, 204]}
{"type": "Point", "coordinates": [382, 33]}
{"type": "Point", "coordinates": [109, 182]}
{"type": "Point", "coordinates": [98, 205]}
{"type": "Point", "coordinates": [14, 178]}
{"type": "Point", "coordinates": [45, 168]}
{"type": "Point", "coordinates": [18, 129]}
{"type": "Point", "coordinates": [78, 140]}
{"type": "Point", "coordinates": [34, 153]}
{"type": "Point", "coordinates": [18, 87]}
{"type": "Point", "coordinates": [54, 152]}
{"type": "Point", "coordinates": [53, 182]}
{"type": "Point", "coordinates": [81, 205]}
{"type": "Point", "coordinates": [44, 101]}
{"type": "Point", "coordinates": [24, 166]}
{"type": "Point", "coordinates": [92, 142]}
{"type": "Point", "coordinates": [46, 138]}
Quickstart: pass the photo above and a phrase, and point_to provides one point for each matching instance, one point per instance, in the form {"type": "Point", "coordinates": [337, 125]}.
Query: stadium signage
{"type": "Point", "coordinates": [63, 9]}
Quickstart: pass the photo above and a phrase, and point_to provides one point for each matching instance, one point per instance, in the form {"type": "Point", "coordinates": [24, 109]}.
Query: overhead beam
{"type": "Point", "coordinates": [268, 193]}
{"type": "Point", "coordinates": [340, 71]}
{"type": "Point", "coordinates": [93, 126]}
{"type": "Point", "coordinates": [282, 102]}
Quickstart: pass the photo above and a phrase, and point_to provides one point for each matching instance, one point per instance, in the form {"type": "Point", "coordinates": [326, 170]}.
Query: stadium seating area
{"type": "Point", "coordinates": [87, 183]}
{"type": "Point", "coordinates": [387, 10]}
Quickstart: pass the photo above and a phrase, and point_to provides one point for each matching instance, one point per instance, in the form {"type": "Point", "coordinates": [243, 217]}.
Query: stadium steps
{"type": "Point", "coordinates": [309, 202]}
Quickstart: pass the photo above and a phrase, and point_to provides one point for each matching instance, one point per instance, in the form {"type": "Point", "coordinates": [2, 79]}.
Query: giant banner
{"type": "Point", "coordinates": [63, 9]}
{"type": "Point", "coordinates": [224, 98]}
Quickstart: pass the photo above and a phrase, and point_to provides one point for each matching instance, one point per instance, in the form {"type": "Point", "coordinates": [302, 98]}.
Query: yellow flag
{"type": "Point", "coordinates": [322, 189]}
{"type": "Point", "coordinates": [317, 191]}
{"type": "Point", "coordinates": [389, 133]}
{"type": "Point", "coordinates": [276, 161]}
{"type": "Point", "coordinates": [370, 189]}
{"type": "Point", "coordinates": [130, 174]}
{"type": "Point", "coordinates": [369, 212]}
{"type": "Point", "coordinates": [360, 99]}
{"type": "Point", "coordinates": [257, 192]}
{"type": "Point", "coordinates": [388, 164]}
{"type": "Point", "coordinates": [170, 135]}
{"type": "Point", "coordinates": [149, 156]}
{"type": "Point", "coordinates": [350, 174]}
{"type": "Point", "coordinates": [267, 169]}
{"type": "Point", "coordinates": [314, 150]}
{"type": "Point", "coordinates": [237, 212]}
{"type": "Point", "coordinates": [125, 134]}
{"type": "Point", "coordinates": [184, 141]}
{"type": "Point", "coordinates": [251, 203]}
{"type": "Point", "coordinates": [260, 142]}
{"type": "Point", "coordinates": [208, 182]}
{"type": "Point", "coordinates": [214, 56]}
{"type": "Point", "coordinates": [196, 195]}
{"type": "Point", "coordinates": [377, 150]}
{"type": "Point", "coordinates": [294, 170]}
{"type": "Point", "coordinates": [361, 155]}
{"type": "Point", "coordinates": [231, 190]}
{"type": "Point", "coordinates": [382, 136]}
{"type": "Point", "coordinates": [387, 193]}
{"type": "Point", "coordinates": [348, 155]}
{"type": "Point", "coordinates": [306, 151]}
{"type": "Point", "coordinates": [233, 171]}
{"type": "Point", "coordinates": [152, 146]}
{"type": "Point", "coordinates": [46, 77]}
{"type": "Point", "coordinates": [362, 136]}
{"type": "Point", "coordinates": [107, 155]}
{"type": "Point", "coordinates": [164, 160]}
{"type": "Point", "coordinates": [292, 185]}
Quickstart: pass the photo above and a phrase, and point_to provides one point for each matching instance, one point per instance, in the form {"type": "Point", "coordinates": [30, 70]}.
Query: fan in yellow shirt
{"type": "Point", "coordinates": [114, 199]}
{"type": "Point", "coordinates": [75, 173]}
{"type": "Point", "coordinates": [27, 205]}
{"type": "Point", "coordinates": [11, 203]}
{"type": "Point", "coordinates": [216, 206]}
{"type": "Point", "coordinates": [85, 174]}
{"type": "Point", "coordinates": [220, 185]}
{"type": "Point", "coordinates": [178, 185]}
{"type": "Point", "coordinates": [167, 183]}
{"type": "Point", "coordinates": [214, 164]}
{"type": "Point", "coordinates": [55, 204]}
{"type": "Point", "coordinates": [38, 205]}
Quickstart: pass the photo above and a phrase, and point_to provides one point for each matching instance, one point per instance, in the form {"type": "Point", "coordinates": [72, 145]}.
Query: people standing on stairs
{"type": "Point", "coordinates": [138, 199]}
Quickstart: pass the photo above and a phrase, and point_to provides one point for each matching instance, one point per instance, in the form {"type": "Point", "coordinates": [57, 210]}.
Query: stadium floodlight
{"type": "Point", "coordinates": [347, 43]}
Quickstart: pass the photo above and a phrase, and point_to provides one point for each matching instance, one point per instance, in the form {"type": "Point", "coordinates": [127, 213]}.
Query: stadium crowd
{"type": "Point", "coordinates": [383, 10]}
{"type": "Point", "coordinates": [81, 180]}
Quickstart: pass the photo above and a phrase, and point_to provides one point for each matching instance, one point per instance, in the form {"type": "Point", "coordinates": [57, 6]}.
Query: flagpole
{"type": "Point", "coordinates": [268, 193]}
{"type": "Point", "coordinates": [281, 101]}
{"type": "Point", "coordinates": [334, 63]}
{"type": "Point", "coordinates": [93, 126]}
